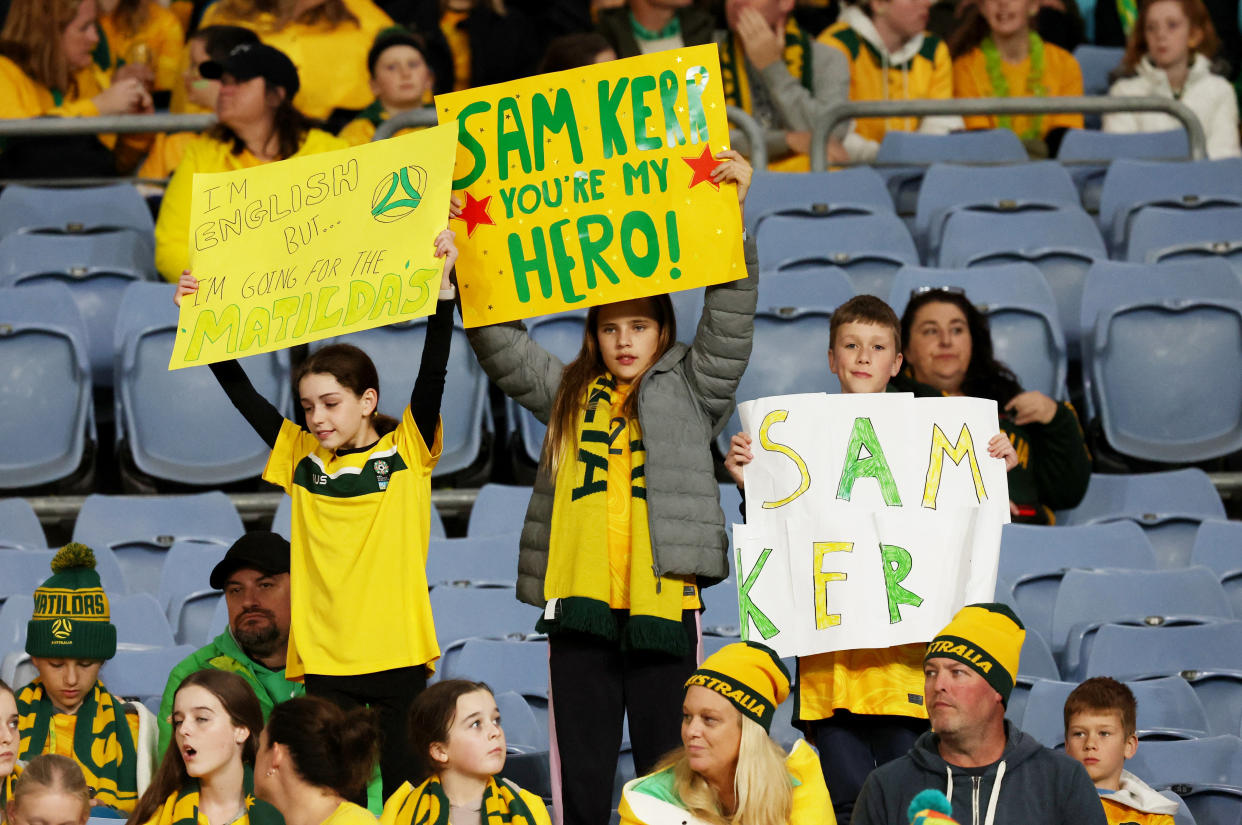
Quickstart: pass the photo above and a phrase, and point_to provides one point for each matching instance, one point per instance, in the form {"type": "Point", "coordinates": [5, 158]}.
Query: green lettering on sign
{"type": "Point", "coordinates": [873, 466]}
{"type": "Point", "coordinates": [746, 608]}
{"type": "Point", "coordinates": [897, 564]}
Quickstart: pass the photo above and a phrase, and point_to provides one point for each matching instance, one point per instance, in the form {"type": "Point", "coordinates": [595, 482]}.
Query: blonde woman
{"type": "Point", "coordinates": [729, 771]}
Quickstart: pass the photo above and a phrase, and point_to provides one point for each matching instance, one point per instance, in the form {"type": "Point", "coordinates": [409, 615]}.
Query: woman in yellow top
{"type": "Point", "coordinates": [258, 124]}
{"type": "Point", "coordinates": [207, 775]}
{"type": "Point", "coordinates": [996, 53]}
{"type": "Point", "coordinates": [326, 40]}
{"type": "Point", "coordinates": [313, 756]}
{"type": "Point", "coordinates": [401, 79]}
{"type": "Point", "coordinates": [50, 791]}
{"type": "Point", "coordinates": [144, 32]}
{"type": "Point", "coordinates": [46, 69]}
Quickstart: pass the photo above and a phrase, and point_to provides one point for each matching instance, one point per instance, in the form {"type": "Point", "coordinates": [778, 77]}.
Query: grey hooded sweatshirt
{"type": "Point", "coordinates": [1030, 783]}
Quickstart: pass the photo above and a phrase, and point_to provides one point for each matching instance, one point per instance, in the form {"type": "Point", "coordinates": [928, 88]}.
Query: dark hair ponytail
{"type": "Point", "coordinates": [330, 748]}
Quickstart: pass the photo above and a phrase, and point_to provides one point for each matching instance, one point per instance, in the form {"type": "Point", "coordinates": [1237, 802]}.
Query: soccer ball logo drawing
{"type": "Point", "coordinates": [398, 194]}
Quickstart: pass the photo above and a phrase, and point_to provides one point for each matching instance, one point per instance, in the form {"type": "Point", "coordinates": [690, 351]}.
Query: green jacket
{"type": "Point", "coordinates": [223, 653]}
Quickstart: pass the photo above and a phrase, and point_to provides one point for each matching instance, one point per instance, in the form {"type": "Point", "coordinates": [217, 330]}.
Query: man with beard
{"type": "Point", "coordinates": [254, 576]}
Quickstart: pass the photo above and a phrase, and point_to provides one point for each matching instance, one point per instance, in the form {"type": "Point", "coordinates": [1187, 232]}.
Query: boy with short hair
{"type": "Point", "coordinates": [862, 708]}
{"type": "Point", "coordinates": [401, 79]}
{"type": "Point", "coordinates": [1100, 724]}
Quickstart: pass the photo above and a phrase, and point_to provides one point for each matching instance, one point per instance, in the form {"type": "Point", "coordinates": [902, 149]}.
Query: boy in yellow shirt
{"type": "Point", "coordinates": [1100, 724]}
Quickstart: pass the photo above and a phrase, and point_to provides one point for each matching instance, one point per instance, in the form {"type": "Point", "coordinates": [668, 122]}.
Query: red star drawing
{"type": "Point", "coordinates": [703, 167]}
{"type": "Point", "coordinates": [474, 213]}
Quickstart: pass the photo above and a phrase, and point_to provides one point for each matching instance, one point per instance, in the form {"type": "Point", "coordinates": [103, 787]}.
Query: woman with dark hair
{"type": "Point", "coordinates": [207, 774]}
{"type": "Point", "coordinates": [258, 124]}
{"type": "Point", "coordinates": [947, 347]}
{"type": "Point", "coordinates": [312, 758]}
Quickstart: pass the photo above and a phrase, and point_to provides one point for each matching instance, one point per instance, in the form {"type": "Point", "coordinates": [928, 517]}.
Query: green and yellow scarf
{"type": "Point", "coordinates": [182, 807]}
{"type": "Point", "coordinates": [579, 573]}
{"type": "Point", "coordinates": [733, 64]}
{"type": "Point", "coordinates": [428, 804]}
{"type": "Point", "coordinates": [1035, 85]}
{"type": "Point", "coordinates": [102, 743]}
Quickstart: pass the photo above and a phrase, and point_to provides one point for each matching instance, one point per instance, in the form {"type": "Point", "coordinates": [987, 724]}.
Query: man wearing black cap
{"type": "Point", "coordinates": [254, 575]}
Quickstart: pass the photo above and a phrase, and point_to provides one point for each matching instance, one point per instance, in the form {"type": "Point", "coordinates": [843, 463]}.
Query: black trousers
{"type": "Point", "coordinates": [390, 693]}
{"type": "Point", "coordinates": [852, 745]}
{"type": "Point", "coordinates": [594, 685]}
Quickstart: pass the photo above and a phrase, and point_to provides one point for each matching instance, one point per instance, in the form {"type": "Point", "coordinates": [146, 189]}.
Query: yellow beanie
{"type": "Point", "coordinates": [749, 675]}
{"type": "Point", "coordinates": [987, 637]}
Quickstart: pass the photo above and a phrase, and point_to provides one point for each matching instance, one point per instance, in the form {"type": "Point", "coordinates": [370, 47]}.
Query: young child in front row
{"type": "Point", "coordinates": [50, 791]}
{"type": "Point", "coordinates": [862, 708]}
{"type": "Point", "coordinates": [1100, 724]}
{"type": "Point", "coordinates": [456, 738]}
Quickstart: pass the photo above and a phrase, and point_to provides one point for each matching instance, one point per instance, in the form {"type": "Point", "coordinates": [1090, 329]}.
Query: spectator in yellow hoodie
{"type": "Point", "coordinates": [892, 58]}
{"type": "Point", "coordinates": [258, 124]}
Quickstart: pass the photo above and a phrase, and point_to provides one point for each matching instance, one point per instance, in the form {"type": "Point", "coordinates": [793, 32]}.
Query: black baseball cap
{"type": "Point", "coordinates": [263, 551]}
{"type": "Point", "coordinates": [250, 60]}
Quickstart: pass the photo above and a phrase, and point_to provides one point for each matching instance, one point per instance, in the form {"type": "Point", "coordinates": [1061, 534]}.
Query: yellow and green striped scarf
{"type": "Point", "coordinates": [182, 807]}
{"type": "Point", "coordinates": [579, 572]}
{"type": "Point", "coordinates": [428, 804]}
{"type": "Point", "coordinates": [733, 64]}
{"type": "Point", "coordinates": [102, 743]}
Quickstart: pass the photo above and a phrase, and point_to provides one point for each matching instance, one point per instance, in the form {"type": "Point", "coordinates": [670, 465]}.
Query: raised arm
{"type": "Point", "coordinates": [428, 390]}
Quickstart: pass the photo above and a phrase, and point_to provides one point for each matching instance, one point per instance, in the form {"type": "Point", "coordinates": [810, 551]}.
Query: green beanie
{"type": "Point", "coordinates": [71, 618]}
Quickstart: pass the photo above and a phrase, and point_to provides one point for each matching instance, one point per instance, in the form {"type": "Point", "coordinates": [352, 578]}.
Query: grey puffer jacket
{"type": "Point", "coordinates": [684, 401]}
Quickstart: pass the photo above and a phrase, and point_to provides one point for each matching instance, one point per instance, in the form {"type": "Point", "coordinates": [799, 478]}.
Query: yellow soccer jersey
{"type": "Point", "coordinates": [880, 682]}
{"type": "Point", "coordinates": [359, 551]}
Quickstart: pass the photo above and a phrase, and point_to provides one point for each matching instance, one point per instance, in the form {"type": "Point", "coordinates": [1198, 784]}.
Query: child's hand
{"type": "Point", "coordinates": [188, 285]}
{"type": "Point", "coordinates": [739, 456]}
{"type": "Point", "coordinates": [733, 169]}
{"type": "Point", "coordinates": [1000, 447]}
{"type": "Point", "coordinates": [446, 249]}
{"type": "Point", "coordinates": [454, 207]}
{"type": "Point", "coordinates": [1032, 407]}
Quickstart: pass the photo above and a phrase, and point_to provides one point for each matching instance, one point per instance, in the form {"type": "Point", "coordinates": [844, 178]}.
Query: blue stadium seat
{"type": "Point", "coordinates": [282, 520]}
{"type": "Point", "coordinates": [97, 268]}
{"type": "Point", "coordinates": [720, 607]}
{"type": "Point", "coordinates": [1080, 146]}
{"type": "Point", "coordinates": [15, 612]}
{"type": "Point", "coordinates": [140, 620]}
{"type": "Point", "coordinates": [47, 380]}
{"type": "Point", "coordinates": [185, 593]}
{"type": "Point", "coordinates": [1035, 661]}
{"type": "Point", "coordinates": [687, 308]}
{"type": "Point", "coordinates": [1178, 324]}
{"type": "Point", "coordinates": [498, 509]}
{"type": "Point", "coordinates": [39, 567]}
{"type": "Point", "coordinates": [478, 561]}
{"type": "Point", "coordinates": [869, 248]}
{"type": "Point", "coordinates": [141, 674]}
{"type": "Point", "coordinates": [19, 526]}
{"type": "Point", "coordinates": [178, 425]}
{"type": "Point", "coordinates": [1168, 506]}
{"type": "Point", "coordinates": [518, 666]}
{"type": "Point", "coordinates": [1062, 242]}
{"type": "Point", "coordinates": [815, 287]}
{"type": "Point", "coordinates": [1208, 656]}
{"type": "Point", "coordinates": [1088, 599]}
{"type": "Point", "coordinates": [903, 155]}
{"type": "Point", "coordinates": [396, 350]}
{"type": "Point", "coordinates": [20, 573]}
{"type": "Point", "coordinates": [948, 188]}
{"type": "Point", "coordinates": [140, 529]}
{"type": "Point", "coordinates": [1022, 314]}
{"type": "Point", "coordinates": [1218, 546]}
{"type": "Point", "coordinates": [77, 210]}
{"type": "Point", "coordinates": [1207, 773]}
{"type": "Point", "coordinates": [1097, 63]}
{"type": "Point", "coordinates": [1161, 234]}
{"type": "Point", "coordinates": [1034, 559]}
{"type": "Point", "coordinates": [560, 335]}
{"type": "Point", "coordinates": [815, 193]}
{"type": "Point", "coordinates": [523, 732]}
{"type": "Point", "coordinates": [1132, 185]}
{"type": "Point", "coordinates": [480, 612]}
{"type": "Point", "coordinates": [1167, 709]}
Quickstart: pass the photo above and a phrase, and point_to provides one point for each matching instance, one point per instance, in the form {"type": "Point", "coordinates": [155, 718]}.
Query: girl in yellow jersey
{"type": "Point", "coordinates": [997, 53]}
{"type": "Point", "coordinates": [312, 758]}
{"type": "Point", "coordinates": [50, 791]}
{"type": "Point", "coordinates": [207, 774]}
{"type": "Point", "coordinates": [456, 736]}
{"type": "Point", "coordinates": [361, 627]}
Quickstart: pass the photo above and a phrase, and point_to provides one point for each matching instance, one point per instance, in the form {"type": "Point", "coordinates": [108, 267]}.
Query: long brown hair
{"type": "Point", "coordinates": [239, 702]}
{"type": "Point", "coordinates": [332, 12]}
{"type": "Point", "coordinates": [329, 747]}
{"type": "Point", "coordinates": [31, 38]}
{"type": "Point", "coordinates": [1196, 12]}
{"type": "Point", "coordinates": [431, 718]}
{"type": "Point", "coordinates": [354, 370]}
{"type": "Point", "coordinates": [585, 368]}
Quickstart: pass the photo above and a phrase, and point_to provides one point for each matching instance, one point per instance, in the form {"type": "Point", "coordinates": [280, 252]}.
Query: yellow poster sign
{"type": "Point", "coordinates": [314, 247]}
{"type": "Point", "coordinates": [593, 185]}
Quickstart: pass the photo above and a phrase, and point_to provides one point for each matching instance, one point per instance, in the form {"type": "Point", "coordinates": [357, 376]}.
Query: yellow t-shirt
{"type": "Point", "coordinates": [459, 44]}
{"type": "Point", "coordinates": [620, 460]}
{"type": "Point", "coordinates": [1119, 814]}
{"type": "Point", "coordinates": [347, 813]}
{"type": "Point", "coordinates": [1062, 77]}
{"type": "Point", "coordinates": [166, 153]}
{"type": "Point", "coordinates": [879, 682]}
{"type": "Point", "coordinates": [22, 96]}
{"type": "Point", "coordinates": [331, 61]}
{"type": "Point", "coordinates": [359, 551]}
{"type": "Point", "coordinates": [162, 34]}
{"type": "Point", "coordinates": [206, 154]}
